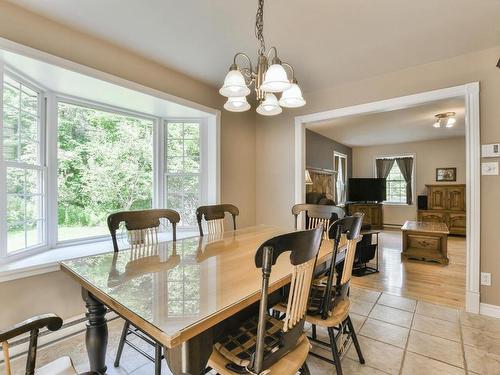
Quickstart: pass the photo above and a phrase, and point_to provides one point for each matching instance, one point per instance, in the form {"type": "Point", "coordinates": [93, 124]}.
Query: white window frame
{"type": "Point", "coordinates": [53, 135]}
{"type": "Point", "coordinates": [413, 178]}
{"type": "Point", "coordinates": [341, 156]}
{"type": "Point", "coordinates": [210, 158]}
{"type": "Point", "coordinates": [204, 159]}
{"type": "Point", "coordinates": [42, 167]}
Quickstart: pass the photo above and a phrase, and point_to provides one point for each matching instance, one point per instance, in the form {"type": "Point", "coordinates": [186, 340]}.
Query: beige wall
{"type": "Point", "coordinates": [429, 155]}
{"type": "Point", "coordinates": [275, 140]}
{"type": "Point", "coordinates": [56, 292]}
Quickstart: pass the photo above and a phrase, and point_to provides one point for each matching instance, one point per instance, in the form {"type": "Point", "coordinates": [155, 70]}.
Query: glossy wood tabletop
{"type": "Point", "coordinates": [179, 289]}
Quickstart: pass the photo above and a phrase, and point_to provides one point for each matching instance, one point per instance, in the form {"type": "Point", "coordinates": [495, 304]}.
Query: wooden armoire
{"type": "Point", "coordinates": [446, 204]}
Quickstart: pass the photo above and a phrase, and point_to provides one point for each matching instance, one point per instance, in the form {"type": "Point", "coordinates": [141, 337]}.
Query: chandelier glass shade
{"type": "Point", "coordinates": [237, 104]}
{"type": "Point", "coordinates": [271, 76]}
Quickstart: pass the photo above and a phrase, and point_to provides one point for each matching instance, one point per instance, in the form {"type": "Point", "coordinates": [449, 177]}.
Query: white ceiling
{"type": "Point", "coordinates": [328, 41]}
{"type": "Point", "coordinates": [73, 84]}
{"type": "Point", "coordinates": [400, 126]}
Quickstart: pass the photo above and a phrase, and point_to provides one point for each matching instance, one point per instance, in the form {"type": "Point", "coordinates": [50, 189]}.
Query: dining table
{"type": "Point", "coordinates": [179, 293]}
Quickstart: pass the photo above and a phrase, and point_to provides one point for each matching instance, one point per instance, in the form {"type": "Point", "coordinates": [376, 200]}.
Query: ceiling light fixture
{"type": "Point", "coordinates": [269, 78]}
{"type": "Point", "coordinates": [446, 118]}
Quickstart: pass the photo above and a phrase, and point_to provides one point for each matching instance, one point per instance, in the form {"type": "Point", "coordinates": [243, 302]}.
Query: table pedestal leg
{"type": "Point", "coordinates": [190, 357]}
{"type": "Point", "coordinates": [96, 337]}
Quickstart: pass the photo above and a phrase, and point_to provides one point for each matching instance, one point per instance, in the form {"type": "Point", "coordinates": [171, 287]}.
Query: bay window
{"type": "Point", "coordinates": [67, 162]}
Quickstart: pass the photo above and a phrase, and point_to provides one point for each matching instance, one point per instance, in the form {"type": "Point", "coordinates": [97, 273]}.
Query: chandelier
{"type": "Point", "coordinates": [446, 118]}
{"type": "Point", "coordinates": [269, 78]}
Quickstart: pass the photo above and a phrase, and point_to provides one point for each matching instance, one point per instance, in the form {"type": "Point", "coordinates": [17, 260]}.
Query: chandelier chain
{"type": "Point", "coordinates": [259, 27]}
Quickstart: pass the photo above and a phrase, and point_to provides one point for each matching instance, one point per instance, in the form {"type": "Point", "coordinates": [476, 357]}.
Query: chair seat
{"type": "Point", "coordinates": [239, 346]}
{"type": "Point", "coordinates": [338, 314]}
{"type": "Point", "coordinates": [61, 366]}
{"type": "Point", "coordinates": [289, 364]}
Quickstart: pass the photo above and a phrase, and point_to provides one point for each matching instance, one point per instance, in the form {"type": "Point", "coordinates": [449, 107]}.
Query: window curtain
{"type": "Point", "coordinates": [406, 167]}
{"type": "Point", "coordinates": [383, 166]}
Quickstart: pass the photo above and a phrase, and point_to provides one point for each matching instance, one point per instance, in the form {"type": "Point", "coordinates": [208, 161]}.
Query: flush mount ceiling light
{"type": "Point", "coordinates": [447, 119]}
{"type": "Point", "coordinates": [270, 77]}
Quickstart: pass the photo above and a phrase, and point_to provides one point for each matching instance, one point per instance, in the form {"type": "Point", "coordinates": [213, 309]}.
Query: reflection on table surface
{"type": "Point", "coordinates": [175, 284]}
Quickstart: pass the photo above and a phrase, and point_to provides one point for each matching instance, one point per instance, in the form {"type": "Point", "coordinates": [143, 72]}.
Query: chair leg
{"type": "Point", "coordinates": [304, 370]}
{"type": "Point", "coordinates": [314, 331]}
{"type": "Point", "coordinates": [335, 351]}
{"type": "Point", "coordinates": [121, 344]}
{"type": "Point", "coordinates": [355, 340]}
{"type": "Point", "coordinates": [157, 359]}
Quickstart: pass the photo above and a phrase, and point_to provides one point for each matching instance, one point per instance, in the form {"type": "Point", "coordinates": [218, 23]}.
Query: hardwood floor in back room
{"type": "Point", "coordinates": [424, 281]}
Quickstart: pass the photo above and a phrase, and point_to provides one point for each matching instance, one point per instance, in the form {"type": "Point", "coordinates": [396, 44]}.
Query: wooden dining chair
{"type": "Point", "coordinates": [329, 302]}
{"type": "Point", "coordinates": [214, 217]}
{"type": "Point", "coordinates": [142, 231]}
{"type": "Point", "coordinates": [60, 366]}
{"type": "Point", "coordinates": [262, 344]}
{"type": "Point", "coordinates": [317, 214]}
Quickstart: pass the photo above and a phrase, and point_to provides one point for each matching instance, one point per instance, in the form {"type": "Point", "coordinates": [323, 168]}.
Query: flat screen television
{"type": "Point", "coordinates": [366, 190]}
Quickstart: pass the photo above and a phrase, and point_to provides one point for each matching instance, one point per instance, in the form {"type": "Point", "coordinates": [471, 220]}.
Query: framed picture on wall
{"type": "Point", "coordinates": [446, 174]}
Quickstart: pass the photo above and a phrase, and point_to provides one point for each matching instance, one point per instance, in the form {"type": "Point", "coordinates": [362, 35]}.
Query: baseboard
{"type": "Point", "coordinates": [489, 310]}
{"type": "Point", "coordinates": [71, 326]}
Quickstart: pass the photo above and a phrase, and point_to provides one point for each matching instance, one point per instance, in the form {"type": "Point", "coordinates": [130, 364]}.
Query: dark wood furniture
{"type": "Point", "coordinates": [214, 216]}
{"type": "Point", "coordinates": [60, 366]}
{"type": "Point", "coordinates": [425, 241]}
{"type": "Point", "coordinates": [374, 216]}
{"type": "Point", "coordinates": [446, 204]}
{"type": "Point", "coordinates": [186, 324]}
{"type": "Point", "coordinates": [317, 214]}
{"type": "Point", "coordinates": [366, 250]}
{"type": "Point", "coordinates": [277, 346]}
{"type": "Point", "coordinates": [142, 231]}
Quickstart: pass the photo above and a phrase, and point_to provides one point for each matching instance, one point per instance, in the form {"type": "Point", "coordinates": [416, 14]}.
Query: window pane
{"type": "Point", "coordinates": [396, 186]}
{"type": "Point", "coordinates": [21, 123]}
{"type": "Point", "coordinates": [15, 237]}
{"type": "Point", "coordinates": [105, 164]}
{"type": "Point", "coordinates": [183, 161]}
{"type": "Point", "coordinates": [33, 233]}
{"type": "Point", "coordinates": [29, 100]}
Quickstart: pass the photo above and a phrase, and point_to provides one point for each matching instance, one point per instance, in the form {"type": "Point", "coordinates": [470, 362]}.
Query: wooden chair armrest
{"type": "Point", "coordinates": [51, 321]}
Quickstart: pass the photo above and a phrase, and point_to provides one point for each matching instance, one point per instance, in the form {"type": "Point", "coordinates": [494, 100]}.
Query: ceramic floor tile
{"type": "Point", "coordinates": [381, 356]}
{"type": "Point", "coordinates": [415, 364]}
{"type": "Point", "coordinates": [364, 294]}
{"type": "Point", "coordinates": [397, 302]}
{"type": "Point", "coordinates": [436, 347]}
{"type": "Point", "coordinates": [480, 322]}
{"type": "Point", "coordinates": [481, 362]}
{"type": "Point", "coordinates": [357, 321]}
{"type": "Point", "coordinates": [436, 311]}
{"type": "Point", "coordinates": [385, 332]}
{"type": "Point", "coordinates": [353, 367]}
{"type": "Point", "coordinates": [483, 340]}
{"type": "Point", "coordinates": [436, 327]}
{"type": "Point", "coordinates": [361, 307]}
{"type": "Point", "coordinates": [392, 315]}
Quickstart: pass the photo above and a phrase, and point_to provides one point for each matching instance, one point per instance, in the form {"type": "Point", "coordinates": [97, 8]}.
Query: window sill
{"type": "Point", "coordinates": [48, 261]}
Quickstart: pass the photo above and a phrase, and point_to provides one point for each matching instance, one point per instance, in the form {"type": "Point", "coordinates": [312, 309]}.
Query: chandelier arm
{"type": "Point", "coordinates": [246, 57]}
{"type": "Point", "coordinates": [291, 70]}
{"type": "Point", "coordinates": [275, 50]}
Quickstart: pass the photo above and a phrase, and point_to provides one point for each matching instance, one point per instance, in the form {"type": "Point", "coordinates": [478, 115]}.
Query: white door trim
{"type": "Point", "coordinates": [470, 92]}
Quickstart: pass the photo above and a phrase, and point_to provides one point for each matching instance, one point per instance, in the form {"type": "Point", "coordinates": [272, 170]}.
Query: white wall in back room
{"type": "Point", "coordinates": [429, 155]}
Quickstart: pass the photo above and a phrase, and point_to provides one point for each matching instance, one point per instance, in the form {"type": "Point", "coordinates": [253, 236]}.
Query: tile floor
{"type": "Point", "coordinates": [397, 335]}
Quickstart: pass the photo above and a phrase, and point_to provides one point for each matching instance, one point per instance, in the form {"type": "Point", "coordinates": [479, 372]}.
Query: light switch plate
{"type": "Point", "coordinates": [490, 151]}
{"type": "Point", "coordinates": [486, 278]}
{"type": "Point", "coordinates": [489, 169]}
